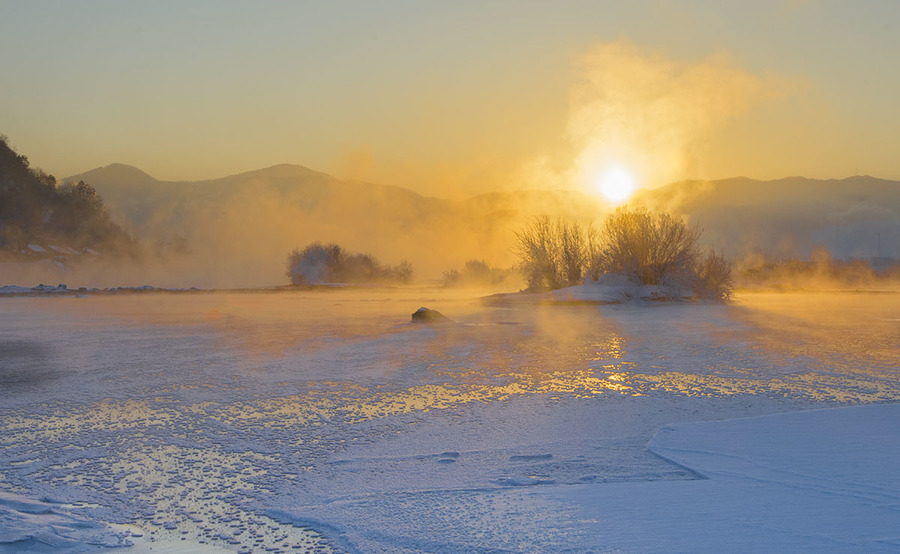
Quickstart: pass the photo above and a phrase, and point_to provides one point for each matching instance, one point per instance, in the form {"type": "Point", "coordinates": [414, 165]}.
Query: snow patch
{"type": "Point", "coordinates": [607, 289]}
{"type": "Point", "coordinates": [813, 481]}
{"type": "Point", "coordinates": [31, 525]}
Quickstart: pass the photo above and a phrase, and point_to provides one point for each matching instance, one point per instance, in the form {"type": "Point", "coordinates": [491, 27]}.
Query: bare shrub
{"type": "Point", "coordinates": [329, 263]}
{"type": "Point", "coordinates": [651, 249]}
{"type": "Point", "coordinates": [658, 249]}
{"type": "Point", "coordinates": [572, 252]}
{"type": "Point", "coordinates": [714, 277]}
{"type": "Point", "coordinates": [647, 248]}
{"type": "Point", "coordinates": [477, 273]}
{"type": "Point", "coordinates": [552, 255]}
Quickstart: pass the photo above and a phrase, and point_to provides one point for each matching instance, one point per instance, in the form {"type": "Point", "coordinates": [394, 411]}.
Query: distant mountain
{"type": "Point", "coordinates": [115, 175]}
{"type": "Point", "coordinates": [145, 202]}
{"type": "Point", "coordinates": [853, 217]}
{"type": "Point", "coordinates": [250, 221]}
{"type": "Point", "coordinates": [259, 216]}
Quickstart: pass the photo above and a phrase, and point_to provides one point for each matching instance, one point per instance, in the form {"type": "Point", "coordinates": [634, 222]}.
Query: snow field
{"type": "Point", "coordinates": [325, 421]}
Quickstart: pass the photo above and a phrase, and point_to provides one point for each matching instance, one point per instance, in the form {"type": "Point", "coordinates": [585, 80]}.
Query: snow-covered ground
{"type": "Point", "coordinates": [327, 421]}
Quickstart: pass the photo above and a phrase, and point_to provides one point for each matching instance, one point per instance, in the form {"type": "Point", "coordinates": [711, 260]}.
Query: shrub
{"type": "Point", "coordinates": [646, 248]}
{"type": "Point", "coordinates": [658, 249]}
{"type": "Point", "coordinates": [652, 249]}
{"type": "Point", "coordinates": [329, 263]}
{"type": "Point", "coordinates": [476, 272]}
{"type": "Point", "coordinates": [714, 277]}
{"type": "Point", "coordinates": [552, 255]}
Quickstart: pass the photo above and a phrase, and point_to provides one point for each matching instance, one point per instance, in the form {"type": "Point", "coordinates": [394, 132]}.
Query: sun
{"type": "Point", "coordinates": [617, 184]}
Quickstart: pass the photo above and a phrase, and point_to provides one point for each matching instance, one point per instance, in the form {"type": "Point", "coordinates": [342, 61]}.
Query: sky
{"type": "Point", "coordinates": [456, 98]}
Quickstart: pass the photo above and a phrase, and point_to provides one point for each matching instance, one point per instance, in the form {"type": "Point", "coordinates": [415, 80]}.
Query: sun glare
{"type": "Point", "coordinates": [616, 185]}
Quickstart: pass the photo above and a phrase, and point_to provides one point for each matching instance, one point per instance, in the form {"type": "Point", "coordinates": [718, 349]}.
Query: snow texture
{"type": "Point", "coordinates": [325, 421]}
{"type": "Point", "coordinates": [27, 525]}
{"type": "Point", "coordinates": [607, 289]}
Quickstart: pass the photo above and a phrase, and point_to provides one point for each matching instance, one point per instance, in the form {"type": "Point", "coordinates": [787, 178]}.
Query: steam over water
{"type": "Point", "coordinates": [273, 419]}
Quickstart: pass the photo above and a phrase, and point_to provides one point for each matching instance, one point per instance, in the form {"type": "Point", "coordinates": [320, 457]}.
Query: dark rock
{"type": "Point", "coordinates": [427, 315]}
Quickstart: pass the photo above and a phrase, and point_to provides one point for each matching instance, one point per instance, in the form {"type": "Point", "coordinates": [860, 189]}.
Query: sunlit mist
{"type": "Point", "coordinates": [638, 107]}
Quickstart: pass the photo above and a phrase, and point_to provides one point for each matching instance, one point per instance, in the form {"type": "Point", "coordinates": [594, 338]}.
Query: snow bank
{"type": "Point", "coordinates": [37, 289]}
{"type": "Point", "coordinates": [14, 289]}
{"type": "Point", "coordinates": [608, 289]}
{"type": "Point", "coordinates": [61, 288]}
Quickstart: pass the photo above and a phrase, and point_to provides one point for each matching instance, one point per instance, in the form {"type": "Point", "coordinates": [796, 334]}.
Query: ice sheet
{"type": "Point", "coordinates": [816, 481]}
{"type": "Point", "coordinates": [327, 421]}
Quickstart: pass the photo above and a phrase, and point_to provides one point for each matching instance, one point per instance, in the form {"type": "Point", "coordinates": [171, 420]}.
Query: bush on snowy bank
{"type": "Point", "coordinates": [658, 249]}
{"type": "Point", "coordinates": [553, 255]}
{"type": "Point", "coordinates": [646, 248]}
{"type": "Point", "coordinates": [329, 263]}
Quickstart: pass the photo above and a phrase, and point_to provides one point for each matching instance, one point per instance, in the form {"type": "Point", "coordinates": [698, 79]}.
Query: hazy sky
{"type": "Point", "coordinates": [456, 96]}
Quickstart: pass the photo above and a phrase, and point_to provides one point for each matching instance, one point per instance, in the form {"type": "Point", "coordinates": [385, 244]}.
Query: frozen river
{"type": "Point", "coordinates": [326, 421]}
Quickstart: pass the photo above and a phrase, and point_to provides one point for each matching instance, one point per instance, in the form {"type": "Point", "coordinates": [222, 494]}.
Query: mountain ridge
{"type": "Point", "coordinates": [287, 206]}
{"type": "Point", "coordinates": [117, 174]}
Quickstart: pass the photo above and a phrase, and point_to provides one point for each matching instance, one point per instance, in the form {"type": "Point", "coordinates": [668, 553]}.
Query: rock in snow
{"type": "Point", "coordinates": [427, 315]}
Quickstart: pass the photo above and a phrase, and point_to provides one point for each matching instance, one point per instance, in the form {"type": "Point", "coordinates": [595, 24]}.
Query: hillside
{"type": "Point", "coordinates": [39, 219]}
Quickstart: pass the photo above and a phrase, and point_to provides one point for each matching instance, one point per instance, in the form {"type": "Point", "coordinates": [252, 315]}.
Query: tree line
{"type": "Point", "coordinates": [35, 209]}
